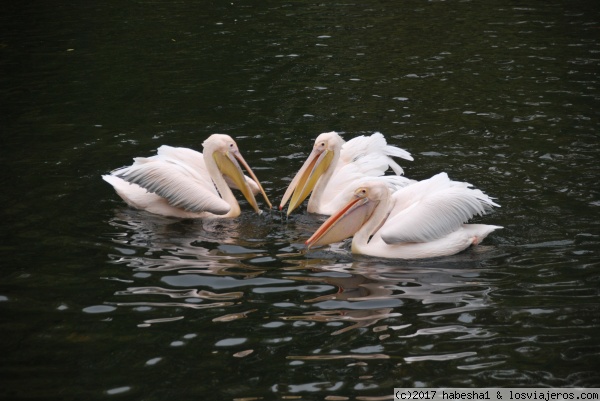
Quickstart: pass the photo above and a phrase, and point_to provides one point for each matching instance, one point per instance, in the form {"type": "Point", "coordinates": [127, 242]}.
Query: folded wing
{"type": "Point", "coordinates": [431, 209]}
{"type": "Point", "coordinates": [176, 182]}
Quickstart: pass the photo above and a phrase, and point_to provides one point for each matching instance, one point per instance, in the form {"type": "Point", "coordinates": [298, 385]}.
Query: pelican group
{"type": "Point", "coordinates": [181, 182]}
{"type": "Point", "coordinates": [387, 214]}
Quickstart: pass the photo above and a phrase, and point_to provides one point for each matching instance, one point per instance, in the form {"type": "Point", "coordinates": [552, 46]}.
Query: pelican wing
{"type": "Point", "coordinates": [432, 209]}
{"type": "Point", "coordinates": [183, 156]}
{"type": "Point", "coordinates": [372, 154]}
{"type": "Point", "coordinates": [193, 161]}
{"type": "Point", "coordinates": [175, 182]}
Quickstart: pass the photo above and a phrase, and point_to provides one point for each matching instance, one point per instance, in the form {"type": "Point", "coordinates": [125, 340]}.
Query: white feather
{"type": "Point", "coordinates": [180, 186]}
{"type": "Point", "coordinates": [180, 182]}
{"type": "Point", "coordinates": [422, 220]}
{"type": "Point", "coordinates": [361, 157]}
{"type": "Point", "coordinates": [372, 154]}
{"type": "Point", "coordinates": [430, 209]}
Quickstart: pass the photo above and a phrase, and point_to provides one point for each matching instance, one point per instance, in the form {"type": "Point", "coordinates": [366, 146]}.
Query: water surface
{"type": "Point", "coordinates": [101, 301]}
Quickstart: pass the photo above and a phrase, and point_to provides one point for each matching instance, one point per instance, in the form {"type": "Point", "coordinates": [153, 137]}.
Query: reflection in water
{"type": "Point", "coordinates": [194, 266]}
{"type": "Point", "coordinates": [180, 293]}
{"type": "Point", "coordinates": [368, 293]}
{"type": "Point", "coordinates": [183, 253]}
{"type": "Point", "coordinates": [358, 300]}
{"type": "Point", "coordinates": [185, 246]}
{"type": "Point", "coordinates": [234, 316]}
{"type": "Point", "coordinates": [263, 298]}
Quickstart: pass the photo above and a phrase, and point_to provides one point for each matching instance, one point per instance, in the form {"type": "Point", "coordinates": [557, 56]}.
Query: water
{"type": "Point", "coordinates": [99, 301]}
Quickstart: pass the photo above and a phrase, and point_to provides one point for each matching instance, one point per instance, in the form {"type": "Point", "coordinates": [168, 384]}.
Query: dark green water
{"type": "Point", "coordinates": [98, 301]}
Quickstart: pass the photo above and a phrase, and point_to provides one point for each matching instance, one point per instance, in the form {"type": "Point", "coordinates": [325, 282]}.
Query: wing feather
{"type": "Point", "coordinates": [175, 183]}
{"type": "Point", "coordinates": [194, 162]}
{"type": "Point", "coordinates": [432, 209]}
{"type": "Point", "coordinates": [373, 155]}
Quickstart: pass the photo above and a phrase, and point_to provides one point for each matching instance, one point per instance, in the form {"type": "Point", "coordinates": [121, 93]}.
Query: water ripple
{"type": "Point", "coordinates": [445, 357]}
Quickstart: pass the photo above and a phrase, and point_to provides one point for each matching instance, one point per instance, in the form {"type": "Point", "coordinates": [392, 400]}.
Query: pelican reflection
{"type": "Point", "coordinates": [367, 293]}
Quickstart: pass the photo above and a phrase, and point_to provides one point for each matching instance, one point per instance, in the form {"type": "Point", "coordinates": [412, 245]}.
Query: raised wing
{"type": "Point", "coordinates": [372, 154]}
{"type": "Point", "coordinates": [432, 209]}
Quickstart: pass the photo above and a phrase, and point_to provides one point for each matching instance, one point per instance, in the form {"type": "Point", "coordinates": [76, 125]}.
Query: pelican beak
{"type": "Point", "coordinates": [345, 222]}
{"type": "Point", "coordinates": [305, 180]}
{"type": "Point", "coordinates": [229, 165]}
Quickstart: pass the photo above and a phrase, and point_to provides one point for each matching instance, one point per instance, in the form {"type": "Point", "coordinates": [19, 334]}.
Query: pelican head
{"type": "Point", "coordinates": [227, 157]}
{"type": "Point", "coordinates": [325, 152]}
{"type": "Point", "coordinates": [350, 218]}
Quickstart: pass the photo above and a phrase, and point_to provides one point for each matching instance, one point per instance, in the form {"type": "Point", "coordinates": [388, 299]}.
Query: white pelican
{"type": "Point", "coordinates": [422, 220]}
{"type": "Point", "coordinates": [181, 182]}
{"type": "Point", "coordinates": [335, 165]}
